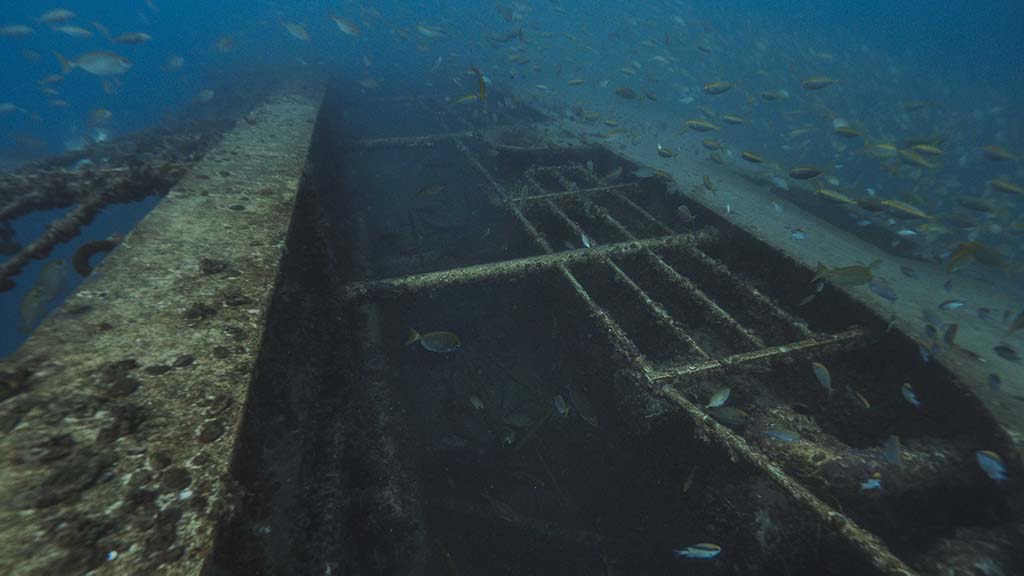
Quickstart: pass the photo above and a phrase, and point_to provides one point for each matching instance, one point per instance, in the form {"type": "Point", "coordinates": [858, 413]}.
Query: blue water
{"type": "Point", "coordinates": [963, 57]}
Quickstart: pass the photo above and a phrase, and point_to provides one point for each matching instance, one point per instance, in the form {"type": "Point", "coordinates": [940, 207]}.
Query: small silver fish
{"type": "Point", "coordinates": [891, 324]}
{"type": "Point", "coordinates": [949, 336]}
{"type": "Point", "coordinates": [779, 183]}
{"type": "Point", "coordinates": [871, 484]}
{"type": "Point", "coordinates": [909, 395]}
{"type": "Point", "coordinates": [689, 480]}
{"type": "Point", "coordinates": [1007, 353]}
{"type": "Point", "coordinates": [782, 435]}
{"type": "Point", "coordinates": [296, 30]}
{"type": "Point", "coordinates": [702, 551]}
{"type": "Point", "coordinates": [719, 398]}
{"type": "Point", "coordinates": [74, 31]}
{"type": "Point", "coordinates": [823, 376]}
{"type": "Point", "coordinates": [476, 402]}
{"type": "Point", "coordinates": [585, 240]}
{"type": "Point", "coordinates": [132, 38]}
{"type": "Point", "coordinates": [728, 416]}
{"type": "Point", "coordinates": [349, 27]}
{"type": "Point", "coordinates": [798, 234]}
{"type": "Point", "coordinates": [439, 342]}
{"type": "Point", "coordinates": [561, 406]}
{"type": "Point", "coordinates": [56, 16]}
{"type": "Point", "coordinates": [883, 289]}
{"type": "Point", "coordinates": [951, 305]}
{"type": "Point", "coordinates": [684, 214]}
{"type": "Point", "coordinates": [862, 400]}
{"type": "Point", "coordinates": [99, 62]}
{"type": "Point", "coordinates": [991, 464]}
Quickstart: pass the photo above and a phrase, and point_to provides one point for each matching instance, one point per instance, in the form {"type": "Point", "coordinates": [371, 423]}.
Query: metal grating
{"type": "Point", "coordinates": [570, 201]}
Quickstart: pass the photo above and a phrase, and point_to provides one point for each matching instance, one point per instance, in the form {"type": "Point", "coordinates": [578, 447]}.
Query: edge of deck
{"type": "Point", "coordinates": [121, 413]}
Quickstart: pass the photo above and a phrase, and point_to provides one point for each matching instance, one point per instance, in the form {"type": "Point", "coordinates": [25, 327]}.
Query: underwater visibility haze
{"type": "Point", "coordinates": [507, 287]}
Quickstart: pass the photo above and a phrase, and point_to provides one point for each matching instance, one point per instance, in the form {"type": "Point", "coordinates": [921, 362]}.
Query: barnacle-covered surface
{"type": "Point", "coordinates": [119, 415]}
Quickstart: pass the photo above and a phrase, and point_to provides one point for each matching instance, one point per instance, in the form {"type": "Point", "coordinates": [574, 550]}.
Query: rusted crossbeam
{"type": "Point", "coordinates": [409, 141]}
{"type": "Point", "coordinates": [405, 285]}
{"type": "Point", "coordinates": [818, 345]}
{"type": "Point", "coordinates": [597, 190]}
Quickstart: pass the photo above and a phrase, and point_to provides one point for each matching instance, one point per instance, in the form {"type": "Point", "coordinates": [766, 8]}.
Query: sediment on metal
{"type": "Point", "coordinates": [864, 541]}
{"type": "Point", "coordinates": [406, 285]}
{"type": "Point", "coordinates": [662, 317]}
{"type": "Point", "coordinates": [622, 345]}
{"type": "Point", "coordinates": [753, 294]}
{"type": "Point", "coordinates": [153, 361]}
{"type": "Point", "coordinates": [687, 286]}
{"type": "Point", "coordinates": [661, 382]}
{"type": "Point", "coordinates": [698, 296]}
{"type": "Point", "coordinates": [409, 141]}
{"type": "Point", "coordinates": [597, 190]}
{"type": "Point", "coordinates": [531, 231]}
{"type": "Point", "coordinates": [821, 345]}
{"type": "Point", "coordinates": [620, 341]}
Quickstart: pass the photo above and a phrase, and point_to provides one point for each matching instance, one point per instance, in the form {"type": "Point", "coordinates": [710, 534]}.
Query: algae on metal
{"type": "Point", "coordinates": [120, 413]}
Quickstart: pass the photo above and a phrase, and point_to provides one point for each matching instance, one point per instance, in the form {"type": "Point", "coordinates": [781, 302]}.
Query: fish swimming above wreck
{"type": "Point", "coordinates": [511, 288]}
{"type": "Point", "coordinates": [439, 342]}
